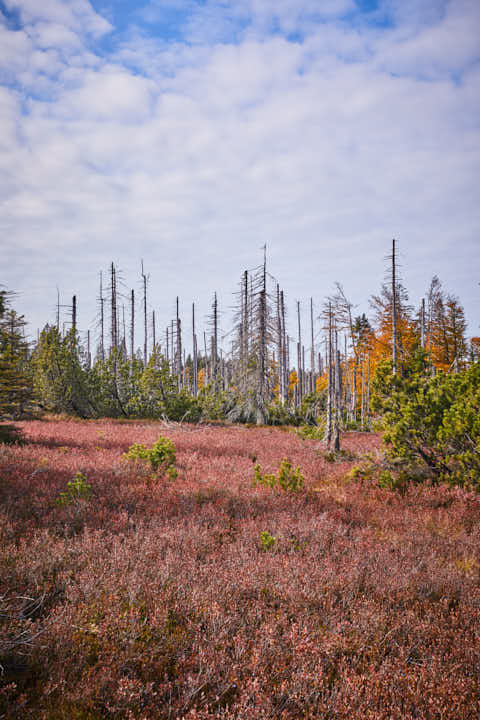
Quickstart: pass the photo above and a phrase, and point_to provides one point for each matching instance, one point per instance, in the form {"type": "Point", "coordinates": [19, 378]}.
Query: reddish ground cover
{"type": "Point", "coordinates": [155, 598]}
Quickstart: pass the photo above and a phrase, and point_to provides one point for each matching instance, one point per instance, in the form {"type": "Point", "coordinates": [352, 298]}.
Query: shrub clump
{"type": "Point", "coordinates": [161, 456]}
{"type": "Point", "coordinates": [311, 432]}
{"type": "Point", "coordinates": [286, 478]}
{"type": "Point", "coordinates": [432, 423]}
{"type": "Point", "coordinates": [267, 540]}
{"type": "Point", "coordinates": [77, 489]}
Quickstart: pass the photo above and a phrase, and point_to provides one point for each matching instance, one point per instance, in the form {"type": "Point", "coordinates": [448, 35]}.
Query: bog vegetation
{"type": "Point", "coordinates": [128, 595]}
{"type": "Point", "coordinates": [412, 373]}
{"type": "Point", "coordinates": [277, 531]}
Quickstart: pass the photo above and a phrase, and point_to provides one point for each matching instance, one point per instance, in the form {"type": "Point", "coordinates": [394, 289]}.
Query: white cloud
{"type": "Point", "coordinates": [446, 46]}
{"type": "Point", "coordinates": [15, 51]}
{"type": "Point", "coordinates": [107, 93]}
{"type": "Point", "coordinates": [77, 15]}
{"type": "Point", "coordinates": [316, 148]}
{"type": "Point", "coordinates": [53, 35]}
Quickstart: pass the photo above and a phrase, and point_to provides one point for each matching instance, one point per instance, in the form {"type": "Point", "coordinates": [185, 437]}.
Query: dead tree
{"type": "Point", "coordinates": [394, 311]}
{"type": "Point", "coordinates": [195, 355]}
{"type": "Point", "coordinates": [312, 351]}
{"type": "Point", "coordinates": [145, 338]}
{"type": "Point", "coordinates": [214, 341]}
{"type": "Point", "coordinates": [74, 316]}
{"type": "Point", "coordinates": [280, 353]}
{"type": "Point", "coordinates": [331, 377]}
{"type": "Point", "coordinates": [113, 308]}
{"type": "Point", "coordinates": [299, 358]}
{"type": "Point", "coordinates": [178, 354]}
{"type": "Point", "coordinates": [342, 308]}
{"type": "Point", "coordinates": [132, 324]}
{"type": "Point", "coordinates": [285, 350]}
{"type": "Point", "coordinates": [102, 320]}
{"type": "Point", "coordinates": [337, 393]}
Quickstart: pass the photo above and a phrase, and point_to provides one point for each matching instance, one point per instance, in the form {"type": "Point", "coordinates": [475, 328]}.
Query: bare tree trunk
{"type": "Point", "coordinates": [367, 403]}
{"type": "Point", "coordinates": [102, 320]}
{"type": "Point", "coordinates": [245, 348]}
{"type": "Point", "coordinates": [132, 324]}
{"type": "Point", "coordinates": [215, 341]}
{"type": "Point", "coordinates": [153, 330]}
{"type": "Point", "coordinates": [179, 350]}
{"type": "Point", "coordinates": [262, 361]}
{"type": "Point", "coordinates": [363, 392]}
{"type": "Point", "coordinates": [337, 395]}
{"type": "Point", "coordinates": [304, 374]}
{"type": "Point", "coordinates": [422, 324]}
{"type": "Point", "coordinates": [74, 315]}
{"type": "Point", "coordinates": [394, 312]}
{"type": "Point", "coordinates": [312, 351]}
{"type": "Point", "coordinates": [280, 373]}
{"type": "Point", "coordinates": [195, 354]}
{"type": "Point", "coordinates": [113, 290]}
{"type": "Point", "coordinates": [124, 332]}
{"type": "Point", "coordinates": [329, 427]}
{"type": "Point", "coordinates": [299, 357]}
{"type": "Point", "coordinates": [288, 363]}
{"type": "Point", "coordinates": [145, 338]}
{"type": "Point", "coordinates": [285, 351]}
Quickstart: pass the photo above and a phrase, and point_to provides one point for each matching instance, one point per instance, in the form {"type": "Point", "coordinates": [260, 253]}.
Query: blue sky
{"type": "Point", "coordinates": [189, 133]}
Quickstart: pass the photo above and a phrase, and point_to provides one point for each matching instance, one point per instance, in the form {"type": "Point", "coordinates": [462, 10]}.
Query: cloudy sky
{"type": "Point", "coordinates": [191, 132]}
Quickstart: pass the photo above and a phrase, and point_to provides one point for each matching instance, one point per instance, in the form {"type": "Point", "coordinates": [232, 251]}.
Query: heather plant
{"type": "Point", "coordinates": [77, 489]}
{"type": "Point", "coordinates": [167, 606]}
{"type": "Point", "coordinates": [287, 478]}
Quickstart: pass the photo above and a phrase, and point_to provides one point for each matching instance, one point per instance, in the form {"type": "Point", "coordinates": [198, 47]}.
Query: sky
{"type": "Point", "coordinates": [189, 133]}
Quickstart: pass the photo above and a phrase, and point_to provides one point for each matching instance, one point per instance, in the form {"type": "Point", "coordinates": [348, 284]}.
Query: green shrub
{"type": "Point", "coordinates": [311, 432]}
{"type": "Point", "coordinates": [77, 489]}
{"type": "Point", "coordinates": [137, 451]}
{"type": "Point", "coordinates": [267, 541]}
{"type": "Point", "coordinates": [161, 456]}
{"type": "Point", "coordinates": [286, 478]}
{"type": "Point", "coordinates": [391, 481]}
{"type": "Point", "coordinates": [432, 425]}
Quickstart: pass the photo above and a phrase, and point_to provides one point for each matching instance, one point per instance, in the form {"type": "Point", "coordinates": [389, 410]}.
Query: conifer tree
{"type": "Point", "coordinates": [15, 385]}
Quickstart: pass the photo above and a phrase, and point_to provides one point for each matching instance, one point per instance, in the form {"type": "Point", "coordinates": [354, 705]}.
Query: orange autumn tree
{"type": "Point", "coordinates": [445, 328]}
{"type": "Point", "coordinates": [475, 349]}
{"type": "Point", "coordinates": [292, 383]}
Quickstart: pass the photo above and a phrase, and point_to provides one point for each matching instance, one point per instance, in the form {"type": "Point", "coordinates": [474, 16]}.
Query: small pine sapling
{"type": "Point", "coordinates": [77, 489]}
{"type": "Point", "coordinates": [161, 456]}
{"type": "Point", "coordinates": [286, 478]}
